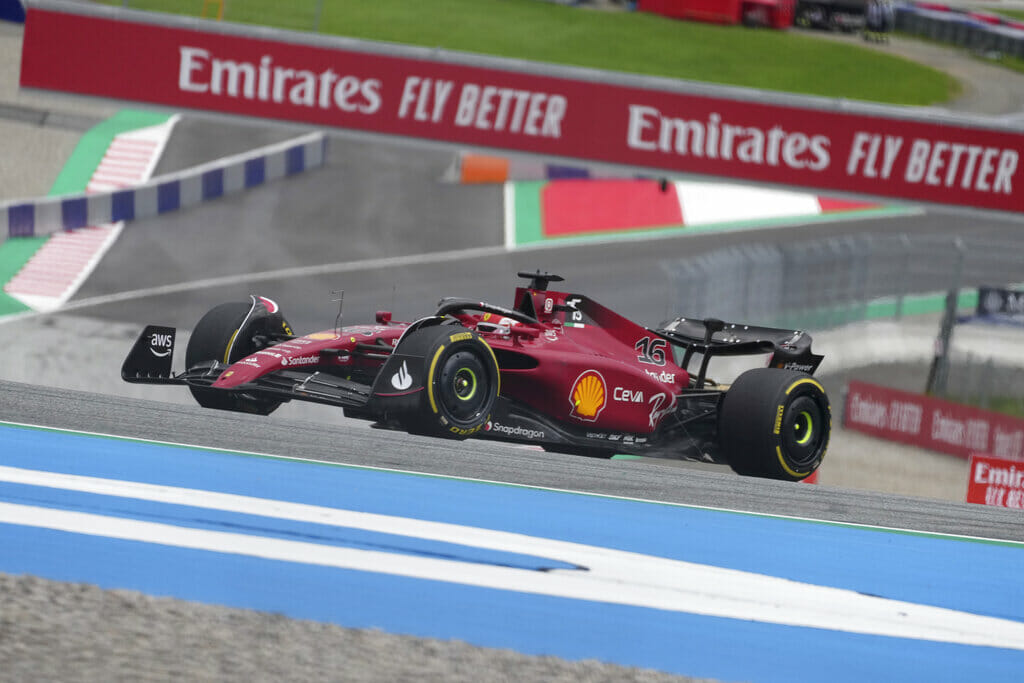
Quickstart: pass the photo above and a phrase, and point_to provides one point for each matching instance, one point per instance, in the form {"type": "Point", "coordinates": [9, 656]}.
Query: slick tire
{"type": "Point", "coordinates": [216, 335]}
{"type": "Point", "coordinates": [775, 423]}
{"type": "Point", "coordinates": [461, 384]}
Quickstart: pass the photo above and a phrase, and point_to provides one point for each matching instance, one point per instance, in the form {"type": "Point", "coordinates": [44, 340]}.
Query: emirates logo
{"type": "Point", "coordinates": [589, 396]}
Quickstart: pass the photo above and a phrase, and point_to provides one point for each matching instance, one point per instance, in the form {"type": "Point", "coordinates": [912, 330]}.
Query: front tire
{"type": "Point", "coordinates": [775, 423]}
{"type": "Point", "coordinates": [462, 381]}
{"type": "Point", "coordinates": [219, 336]}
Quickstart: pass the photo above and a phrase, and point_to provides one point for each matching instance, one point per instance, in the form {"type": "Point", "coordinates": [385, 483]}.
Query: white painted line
{"type": "Point", "coordinates": [709, 203]}
{"type": "Point", "coordinates": [605, 575]}
{"type": "Point", "coordinates": [509, 197]}
{"type": "Point", "coordinates": [291, 458]}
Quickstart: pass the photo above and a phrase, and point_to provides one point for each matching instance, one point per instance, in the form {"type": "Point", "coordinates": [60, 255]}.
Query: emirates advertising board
{"type": "Point", "coordinates": [996, 481]}
{"type": "Point", "coordinates": [932, 423]}
{"type": "Point", "coordinates": [258, 77]}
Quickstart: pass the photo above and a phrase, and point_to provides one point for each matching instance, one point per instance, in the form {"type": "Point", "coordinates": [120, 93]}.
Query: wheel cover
{"type": "Point", "coordinates": [802, 433]}
{"type": "Point", "coordinates": [464, 384]}
{"type": "Point", "coordinates": [803, 428]}
{"type": "Point", "coordinates": [462, 387]}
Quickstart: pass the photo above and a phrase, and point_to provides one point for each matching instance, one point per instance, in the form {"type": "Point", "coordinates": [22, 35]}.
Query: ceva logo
{"type": "Point", "coordinates": [588, 396]}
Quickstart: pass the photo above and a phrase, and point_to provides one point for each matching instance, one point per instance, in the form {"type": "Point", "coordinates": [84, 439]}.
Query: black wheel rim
{"type": "Point", "coordinates": [462, 387]}
{"type": "Point", "coordinates": [803, 431]}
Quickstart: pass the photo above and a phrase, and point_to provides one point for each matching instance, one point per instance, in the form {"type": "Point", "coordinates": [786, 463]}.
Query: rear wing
{"type": "Point", "coordinates": [790, 349]}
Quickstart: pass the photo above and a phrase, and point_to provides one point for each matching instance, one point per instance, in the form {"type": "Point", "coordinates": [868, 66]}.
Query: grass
{"type": "Point", "coordinates": [1006, 12]}
{"type": "Point", "coordinates": [631, 42]}
{"type": "Point", "coordinates": [1008, 405]}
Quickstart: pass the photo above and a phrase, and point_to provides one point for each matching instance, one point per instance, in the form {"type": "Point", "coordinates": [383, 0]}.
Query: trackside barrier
{"type": "Point", "coordinates": [825, 283]}
{"type": "Point", "coordinates": [46, 215]}
{"type": "Point", "coordinates": [970, 30]}
{"type": "Point", "coordinates": [932, 423]}
{"type": "Point", "coordinates": [647, 123]}
{"type": "Point", "coordinates": [995, 481]}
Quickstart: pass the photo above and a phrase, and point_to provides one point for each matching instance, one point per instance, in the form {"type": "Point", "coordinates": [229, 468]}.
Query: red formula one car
{"type": "Point", "coordinates": [557, 369]}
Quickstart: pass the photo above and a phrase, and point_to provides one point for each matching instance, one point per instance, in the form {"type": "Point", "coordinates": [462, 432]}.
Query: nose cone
{"type": "Point", "coordinates": [253, 367]}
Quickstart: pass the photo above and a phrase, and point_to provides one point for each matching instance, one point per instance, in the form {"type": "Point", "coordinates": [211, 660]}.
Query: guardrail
{"type": "Point", "coordinates": [46, 215]}
{"type": "Point", "coordinates": [977, 31]}
{"type": "Point", "coordinates": [819, 284]}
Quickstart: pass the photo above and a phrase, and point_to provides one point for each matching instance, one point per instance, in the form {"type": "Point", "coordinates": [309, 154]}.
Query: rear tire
{"type": "Point", "coordinates": [218, 337]}
{"type": "Point", "coordinates": [775, 423]}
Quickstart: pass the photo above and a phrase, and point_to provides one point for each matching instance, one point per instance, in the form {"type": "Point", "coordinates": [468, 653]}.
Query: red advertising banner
{"type": "Point", "coordinates": [932, 423]}
{"type": "Point", "coordinates": [996, 481]}
{"type": "Point", "coordinates": [584, 119]}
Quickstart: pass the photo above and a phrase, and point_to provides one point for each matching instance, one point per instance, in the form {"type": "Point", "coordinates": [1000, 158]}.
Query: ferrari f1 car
{"type": "Point", "coordinates": [556, 369]}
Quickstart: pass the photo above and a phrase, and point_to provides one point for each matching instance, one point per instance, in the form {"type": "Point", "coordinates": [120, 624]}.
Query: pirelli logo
{"type": "Point", "coordinates": [778, 419]}
{"type": "Point", "coordinates": [462, 336]}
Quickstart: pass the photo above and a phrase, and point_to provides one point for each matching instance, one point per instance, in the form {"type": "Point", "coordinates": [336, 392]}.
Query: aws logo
{"type": "Point", "coordinates": [589, 396]}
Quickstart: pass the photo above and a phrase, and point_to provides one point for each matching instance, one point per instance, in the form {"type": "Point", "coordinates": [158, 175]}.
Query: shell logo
{"type": "Point", "coordinates": [589, 396]}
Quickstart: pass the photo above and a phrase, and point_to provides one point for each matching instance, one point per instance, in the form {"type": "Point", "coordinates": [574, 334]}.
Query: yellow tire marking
{"type": "Point", "coordinates": [231, 343]}
{"type": "Point", "coordinates": [782, 461]}
{"type": "Point", "coordinates": [778, 449]}
{"type": "Point", "coordinates": [430, 379]}
{"type": "Point", "coordinates": [805, 380]}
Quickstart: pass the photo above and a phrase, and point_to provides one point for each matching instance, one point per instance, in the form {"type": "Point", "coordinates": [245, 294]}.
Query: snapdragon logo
{"type": "Point", "coordinates": [517, 431]}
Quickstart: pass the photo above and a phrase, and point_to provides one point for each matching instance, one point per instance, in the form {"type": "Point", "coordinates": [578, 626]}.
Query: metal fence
{"type": "Point", "coordinates": [979, 381]}
{"type": "Point", "coordinates": [299, 15]}
{"type": "Point", "coordinates": [826, 283]}
{"type": "Point", "coordinates": [962, 30]}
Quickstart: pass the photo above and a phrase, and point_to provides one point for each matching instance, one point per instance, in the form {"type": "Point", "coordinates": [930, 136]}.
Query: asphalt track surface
{"type": "Point", "coordinates": [354, 444]}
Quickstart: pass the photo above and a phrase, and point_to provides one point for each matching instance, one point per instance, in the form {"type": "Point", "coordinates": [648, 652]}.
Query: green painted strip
{"type": "Point", "coordinates": [884, 308]}
{"type": "Point", "coordinates": [94, 144]}
{"type": "Point", "coordinates": [845, 525]}
{"type": "Point", "coordinates": [15, 252]}
{"type": "Point", "coordinates": [528, 228]}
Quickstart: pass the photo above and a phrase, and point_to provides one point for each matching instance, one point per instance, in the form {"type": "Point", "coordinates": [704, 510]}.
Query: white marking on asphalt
{"type": "Point", "coordinates": [391, 470]}
{"type": "Point", "coordinates": [710, 203]}
{"type": "Point", "coordinates": [609, 576]}
{"type": "Point", "coordinates": [508, 193]}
